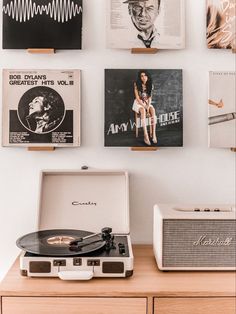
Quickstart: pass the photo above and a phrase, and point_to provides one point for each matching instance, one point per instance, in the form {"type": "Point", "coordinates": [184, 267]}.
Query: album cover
{"type": "Point", "coordinates": [146, 24]}
{"type": "Point", "coordinates": [42, 24]}
{"type": "Point", "coordinates": [143, 108]}
{"type": "Point", "coordinates": [221, 24]}
{"type": "Point", "coordinates": [41, 108]}
{"type": "Point", "coordinates": [222, 109]}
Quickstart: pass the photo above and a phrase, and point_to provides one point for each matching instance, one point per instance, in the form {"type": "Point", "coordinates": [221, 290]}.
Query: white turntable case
{"type": "Point", "coordinates": [84, 200]}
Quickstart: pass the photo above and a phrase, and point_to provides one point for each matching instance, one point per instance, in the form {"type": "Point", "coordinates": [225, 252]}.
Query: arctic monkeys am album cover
{"type": "Point", "coordinates": [41, 108]}
{"type": "Point", "coordinates": [143, 108]}
{"type": "Point", "coordinates": [42, 24]}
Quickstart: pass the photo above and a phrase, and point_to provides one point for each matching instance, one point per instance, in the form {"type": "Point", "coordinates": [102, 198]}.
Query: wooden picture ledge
{"type": "Point", "coordinates": [144, 50]}
{"type": "Point", "coordinates": [42, 51]}
{"type": "Point", "coordinates": [38, 149]}
{"type": "Point", "coordinates": [143, 149]}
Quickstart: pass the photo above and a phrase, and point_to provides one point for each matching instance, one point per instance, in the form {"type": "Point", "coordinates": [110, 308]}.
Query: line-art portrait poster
{"type": "Point", "coordinates": [146, 24]}
{"type": "Point", "coordinates": [42, 24]}
{"type": "Point", "coordinates": [143, 107]}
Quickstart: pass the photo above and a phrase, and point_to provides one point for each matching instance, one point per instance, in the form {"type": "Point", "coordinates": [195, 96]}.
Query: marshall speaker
{"type": "Point", "coordinates": [195, 237]}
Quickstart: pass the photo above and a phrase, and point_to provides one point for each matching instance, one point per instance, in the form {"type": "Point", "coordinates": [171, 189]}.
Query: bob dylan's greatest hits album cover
{"type": "Point", "coordinates": [143, 108]}
{"type": "Point", "coordinates": [41, 108]}
{"type": "Point", "coordinates": [42, 24]}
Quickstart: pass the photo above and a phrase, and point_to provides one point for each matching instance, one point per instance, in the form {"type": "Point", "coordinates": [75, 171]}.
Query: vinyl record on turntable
{"type": "Point", "coordinates": [58, 242]}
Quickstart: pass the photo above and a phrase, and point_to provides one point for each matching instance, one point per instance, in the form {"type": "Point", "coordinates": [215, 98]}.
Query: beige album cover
{"type": "Point", "coordinates": [41, 108]}
{"type": "Point", "coordinates": [146, 24]}
{"type": "Point", "coordinates": [222, 109]}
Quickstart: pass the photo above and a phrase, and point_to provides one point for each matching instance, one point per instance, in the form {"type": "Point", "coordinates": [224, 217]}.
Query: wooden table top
{"type": "Point", "coordinates": [146, 281]}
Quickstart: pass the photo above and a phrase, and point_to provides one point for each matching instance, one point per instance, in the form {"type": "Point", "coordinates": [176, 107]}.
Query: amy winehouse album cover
{"type": "Point", "coordinates": [221, 24]}
{"type": "Point", "coordinates": [41, 108]}
{"type": "Point", "coordinates": [143, 108]}
{"type": "Point", "coordinates": [42, 24]}
{"type": "Point", "coordinates": [222, 109]}
{"type": "Point", "coordinates": [146, 24]}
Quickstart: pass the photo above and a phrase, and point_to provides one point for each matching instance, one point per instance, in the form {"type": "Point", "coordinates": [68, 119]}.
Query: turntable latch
{"type": "Point", "coordinates": [59, 262]}
{"type": "Point", "coordinates": [93, 262]}
{"type": "Point", "coordinates": [77, 261]}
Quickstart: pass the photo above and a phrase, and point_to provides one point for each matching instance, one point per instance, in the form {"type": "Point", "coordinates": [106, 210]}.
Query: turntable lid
{"type": "Point", "coordinates": [84, 200]}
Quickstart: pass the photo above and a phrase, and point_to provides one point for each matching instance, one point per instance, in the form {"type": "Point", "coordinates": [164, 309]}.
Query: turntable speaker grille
{"type": "Point", "coordinates": [40, 267]}
{"type": "Point", "coordinates": [112, 267]}
{"type": "Point", "coordinates": [199, 243]}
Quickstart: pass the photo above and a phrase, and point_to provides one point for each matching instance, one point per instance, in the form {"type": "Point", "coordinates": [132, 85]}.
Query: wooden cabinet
{"type": "Point", "coordinates": [18, 305]}
{"type": "Point", "coordinates": [149, 291]}
{"type": "Point", "coordinates": [194, 305]}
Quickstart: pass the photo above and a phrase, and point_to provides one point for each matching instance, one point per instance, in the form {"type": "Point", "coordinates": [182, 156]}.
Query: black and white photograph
{"type": "Point", "coordinates": [36, 114]}
{"type": "Point", "coordinates": [42, 24]}
{"type": "Point", "coordinates": [41, 109]}
{"type": "Point", "coordinates": [146, 24]}
{"type": "Point", "coordinates": [143, 108]}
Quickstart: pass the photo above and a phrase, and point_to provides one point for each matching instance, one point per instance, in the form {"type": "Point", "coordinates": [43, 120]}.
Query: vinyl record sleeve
{"type": "Point", "coordinates": [221, 24]}
{"type": "Point", "coordinates": [42, 24]}
{"type": "Point", "coordinates": [222, 109]}
{"type": "Point", "coordinates": [146, 23]}
{"type": "Point", "coordinates": [124, 125]}
{"type": "Point", "coordinates": [41, 108]}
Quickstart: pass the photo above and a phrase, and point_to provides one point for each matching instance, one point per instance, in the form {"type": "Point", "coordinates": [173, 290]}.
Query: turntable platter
{"type": "Point", "coordinates": [57, 242]}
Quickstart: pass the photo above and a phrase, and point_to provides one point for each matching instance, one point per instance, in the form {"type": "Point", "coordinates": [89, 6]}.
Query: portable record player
{"type": "Point", "coordinates": [72, 202]}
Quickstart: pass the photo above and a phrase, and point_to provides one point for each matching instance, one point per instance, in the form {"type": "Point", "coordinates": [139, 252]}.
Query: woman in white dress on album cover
{"type": "Point", "coordinates": [142, 104]}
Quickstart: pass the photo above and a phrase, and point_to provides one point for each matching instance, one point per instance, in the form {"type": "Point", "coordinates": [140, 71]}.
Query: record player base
{"type": "Point", "coordinates": [147, 291]}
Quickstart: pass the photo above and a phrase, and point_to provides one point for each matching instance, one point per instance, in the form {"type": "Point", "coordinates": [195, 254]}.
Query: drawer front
{"type": "Point", "coordinates": [49, 305]}
{"type": "Point", "coordinates": [194, 305]}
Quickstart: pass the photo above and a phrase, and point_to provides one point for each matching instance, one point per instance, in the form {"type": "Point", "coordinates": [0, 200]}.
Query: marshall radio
{"type": "Point", "coordinates": [194, 237]}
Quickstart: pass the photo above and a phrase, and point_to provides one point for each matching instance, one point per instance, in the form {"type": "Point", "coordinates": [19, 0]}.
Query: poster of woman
{"type": "Point", "coordinates": [143, 108]}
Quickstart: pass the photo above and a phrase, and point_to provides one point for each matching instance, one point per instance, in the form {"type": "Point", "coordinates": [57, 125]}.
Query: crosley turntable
{"type": "Point", "coordinates": [70, 203]}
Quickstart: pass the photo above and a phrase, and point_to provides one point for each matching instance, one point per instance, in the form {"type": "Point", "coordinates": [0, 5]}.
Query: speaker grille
{"type": "Point", "coordinates": [199, 243]}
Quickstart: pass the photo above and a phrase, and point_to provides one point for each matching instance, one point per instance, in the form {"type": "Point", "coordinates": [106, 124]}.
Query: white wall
{"type": "Point", "coordinates": [191, 174]}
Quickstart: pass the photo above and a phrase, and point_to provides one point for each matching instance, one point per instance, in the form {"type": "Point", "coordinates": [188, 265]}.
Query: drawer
{"type": "Point", "coordinates": [194, 305]}
{"type": "Point", "coordinates": [71, 305]}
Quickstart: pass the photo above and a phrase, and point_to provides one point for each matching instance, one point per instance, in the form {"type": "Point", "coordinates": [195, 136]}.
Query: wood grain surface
{"type": "Point", "coordinates": [194, 306]}
{"type": "Point", "coordinates": [146, 281]}
{"type": "Point", "coordinates": [17, 305]}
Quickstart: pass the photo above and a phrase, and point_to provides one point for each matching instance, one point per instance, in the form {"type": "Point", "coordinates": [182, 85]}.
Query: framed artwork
{"type": "Point", "coordinates": [146, 24]}
{"type": "Point", "coordinates": [222, 109]}
{"type": "Point", "coordinates": [143, 108]}
{"type": "Point", "coordinates": [41, 108]}
{"type": "Point", "coordinates": [221, 24]}
{"type": "Point", "coordinates": [42, 24]}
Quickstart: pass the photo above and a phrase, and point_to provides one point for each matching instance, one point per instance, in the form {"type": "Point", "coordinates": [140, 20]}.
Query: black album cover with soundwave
{"type": "Point", "coordinates": [42, 24]}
